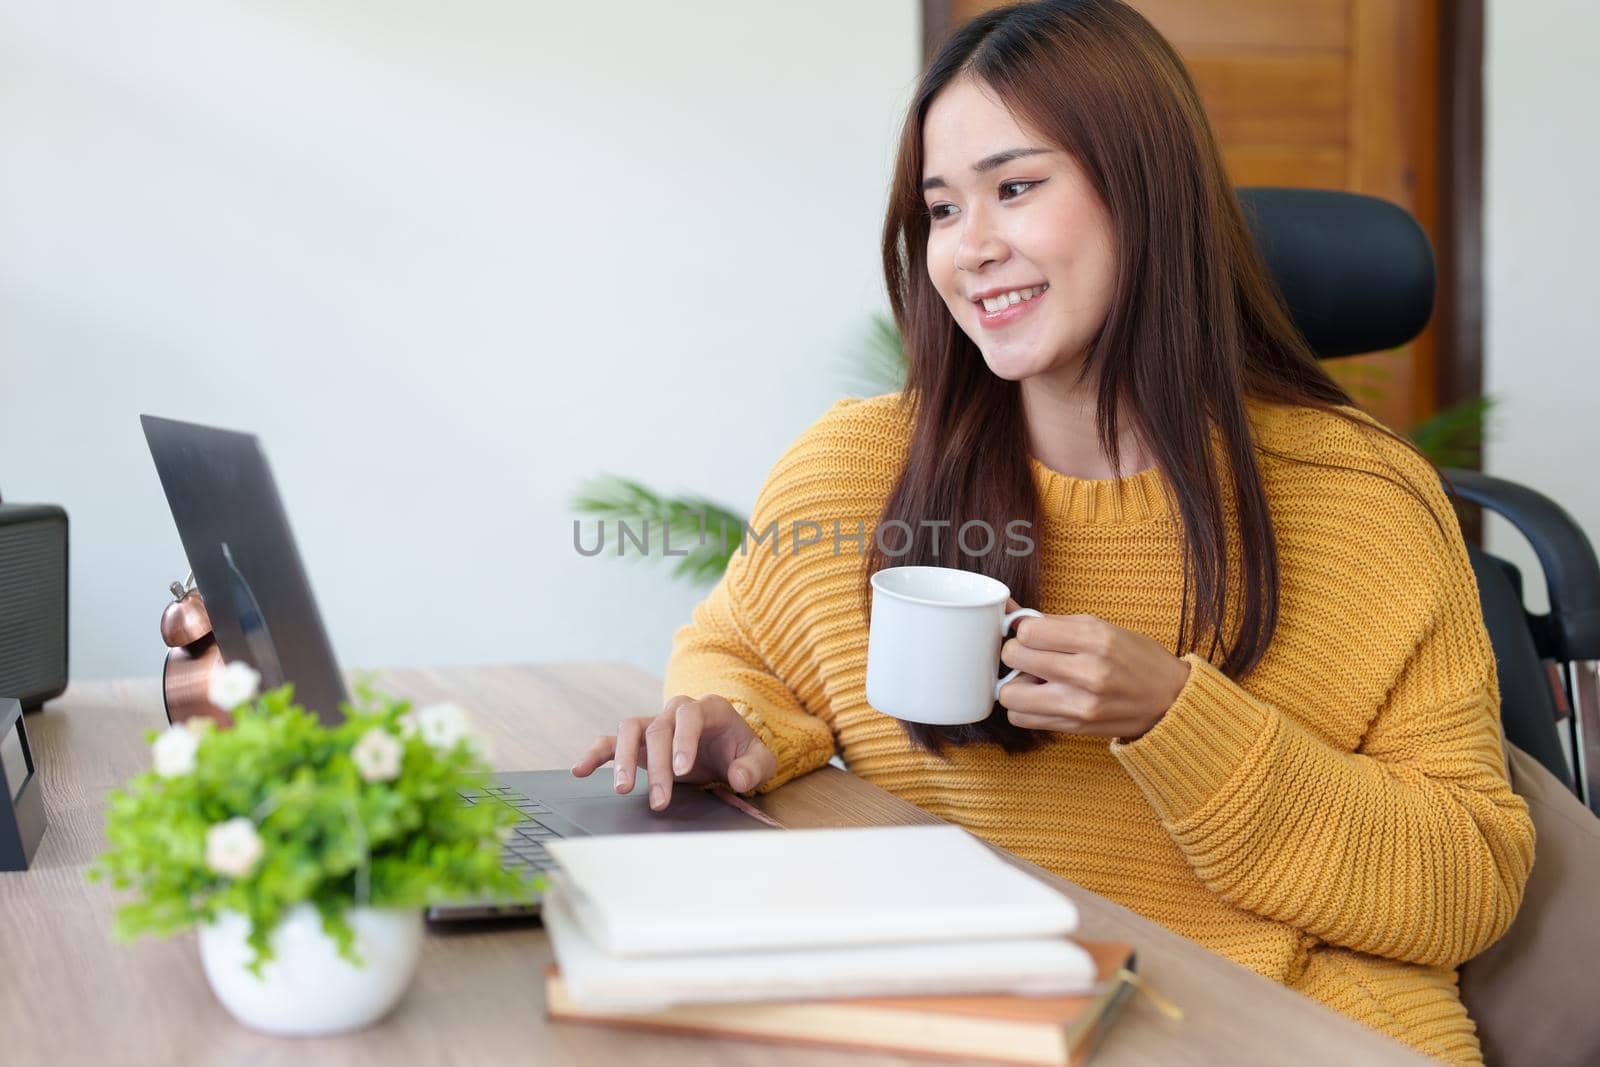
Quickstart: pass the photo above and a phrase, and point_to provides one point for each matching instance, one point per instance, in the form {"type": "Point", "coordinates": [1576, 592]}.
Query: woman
{"type": "Point", "coordinates": [1261, 708]}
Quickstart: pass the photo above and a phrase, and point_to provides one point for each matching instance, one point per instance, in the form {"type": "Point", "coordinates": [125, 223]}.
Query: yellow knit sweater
{"type": "Point", "coordinates": [1340, 821]}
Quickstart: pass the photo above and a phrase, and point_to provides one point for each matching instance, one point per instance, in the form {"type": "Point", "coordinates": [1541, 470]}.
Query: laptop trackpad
{"type": "Point", "coordinates": [691, 809]}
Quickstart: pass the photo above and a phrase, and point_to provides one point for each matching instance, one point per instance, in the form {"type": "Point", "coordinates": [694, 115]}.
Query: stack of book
{"type": "Point", "coordinates": [911, 939]}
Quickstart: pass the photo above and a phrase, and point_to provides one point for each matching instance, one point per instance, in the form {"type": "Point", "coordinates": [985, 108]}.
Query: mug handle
{"type": "Point", "coordinates": [1005, 629]}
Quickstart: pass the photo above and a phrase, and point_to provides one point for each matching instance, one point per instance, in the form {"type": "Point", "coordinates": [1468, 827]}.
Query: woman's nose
{"type": "Point", "coordinates": [980, 245]}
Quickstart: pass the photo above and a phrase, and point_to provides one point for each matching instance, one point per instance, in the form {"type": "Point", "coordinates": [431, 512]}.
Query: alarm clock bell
{"type": "Point", "coordinates": [192, 654]}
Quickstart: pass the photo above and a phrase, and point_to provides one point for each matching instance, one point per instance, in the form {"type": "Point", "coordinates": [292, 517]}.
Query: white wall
{"type": "Point", "coordinates": [1542, 232]}
{"type": "Point", "coordinates": [451, 259]}
{"type": "Point", "coordinates": [448, 259]}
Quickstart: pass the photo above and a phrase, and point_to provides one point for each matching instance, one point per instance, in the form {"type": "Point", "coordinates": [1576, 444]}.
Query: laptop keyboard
{"type": "Point", "coordinates": [524, 849]}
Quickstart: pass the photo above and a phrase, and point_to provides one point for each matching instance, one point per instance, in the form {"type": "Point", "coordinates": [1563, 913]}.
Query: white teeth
{"type": "Point", "coordinates": [992, 304]}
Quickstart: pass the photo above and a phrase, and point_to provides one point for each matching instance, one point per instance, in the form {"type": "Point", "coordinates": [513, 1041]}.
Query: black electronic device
{"type": "Point", "coordinates": [244, 558]}
{"type": "Point", "coordinates": [21, 797]}
{"type": "Point", "coordinates": [33, 602]}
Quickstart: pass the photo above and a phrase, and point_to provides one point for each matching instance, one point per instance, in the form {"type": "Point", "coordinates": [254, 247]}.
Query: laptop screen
{"type": "Point", "coordinates": [237, 537]}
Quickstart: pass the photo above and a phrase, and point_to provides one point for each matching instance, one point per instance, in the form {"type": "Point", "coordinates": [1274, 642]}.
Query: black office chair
{"type": "Point", "coordinates": [1358, 276]}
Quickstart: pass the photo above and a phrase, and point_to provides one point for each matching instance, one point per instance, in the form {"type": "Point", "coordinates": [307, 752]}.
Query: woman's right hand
{"type": "Point", "coordinates": [694, 741]}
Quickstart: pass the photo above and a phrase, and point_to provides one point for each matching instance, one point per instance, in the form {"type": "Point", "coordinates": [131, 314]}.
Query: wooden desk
{"type": "Point", "coordinates": [70, 995]}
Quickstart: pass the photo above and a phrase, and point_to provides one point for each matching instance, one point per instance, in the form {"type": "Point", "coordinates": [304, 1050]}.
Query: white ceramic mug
{"type": "Point", "coordinates": [934, 644]}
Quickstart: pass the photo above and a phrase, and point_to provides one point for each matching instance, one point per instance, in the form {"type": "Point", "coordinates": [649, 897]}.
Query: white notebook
{"type": "Point", "coordinates": [658, 894]}
{"type": "Point", "coordinates": [597, 981]}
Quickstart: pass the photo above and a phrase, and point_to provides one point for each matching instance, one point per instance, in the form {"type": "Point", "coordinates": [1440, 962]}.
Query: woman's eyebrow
{"type": "Point", "coordinates": [987, 163]}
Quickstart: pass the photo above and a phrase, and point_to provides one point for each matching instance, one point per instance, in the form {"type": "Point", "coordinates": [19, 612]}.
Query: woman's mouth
{"type": "Point", "coordinates": [1003, 309]}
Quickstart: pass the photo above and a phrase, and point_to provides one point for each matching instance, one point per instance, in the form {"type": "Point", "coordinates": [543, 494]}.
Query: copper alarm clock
{"type": "Point", "coordinates": [192, 654]}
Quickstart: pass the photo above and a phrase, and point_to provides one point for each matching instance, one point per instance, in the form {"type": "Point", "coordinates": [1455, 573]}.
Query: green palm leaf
{"type": "Point", "coordinates": [687, 517]}
{"type": "Point", "coordinates": [1454, 436]}
{"type": "Point", "coordinates": [878, 364]}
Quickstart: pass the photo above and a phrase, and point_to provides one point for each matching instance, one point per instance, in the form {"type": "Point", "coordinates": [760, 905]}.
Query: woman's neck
{"type": "Point", "coordinates": [1062, 432]}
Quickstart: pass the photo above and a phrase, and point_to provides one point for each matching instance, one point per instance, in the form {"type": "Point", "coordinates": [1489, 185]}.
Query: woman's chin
{"type": "Point", "coordinates": [1013, 366]}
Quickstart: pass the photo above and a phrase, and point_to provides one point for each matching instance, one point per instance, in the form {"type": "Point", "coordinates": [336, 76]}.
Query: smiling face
{"type": "Point", "coordinates": [1019, 245]}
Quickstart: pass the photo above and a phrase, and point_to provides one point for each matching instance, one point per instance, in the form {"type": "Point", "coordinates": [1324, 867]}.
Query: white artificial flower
{"type": "Point", "coordinates": [442, 725]}
{"type": "Point", "coordinates": [174, 751]}
{"type": "Point", "coordinates": [233, 684]}
{"type": "Point", "coordinates": [377, 755]}
{"type": "Point", "coordinates": [233, 847]}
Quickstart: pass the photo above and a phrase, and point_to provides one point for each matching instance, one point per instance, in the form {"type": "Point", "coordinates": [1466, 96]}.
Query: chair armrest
{"type": "Point", "coordinates": [1571, 571]}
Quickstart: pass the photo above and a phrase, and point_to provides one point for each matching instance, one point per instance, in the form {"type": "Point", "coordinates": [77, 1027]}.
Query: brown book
{"type": "Point", "coordinates": [1007, 1029]}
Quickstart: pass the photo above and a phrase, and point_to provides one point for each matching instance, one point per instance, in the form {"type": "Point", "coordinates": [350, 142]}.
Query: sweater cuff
{"type": "Point", "coordinates": [1214, 733]}
{"type": "Point", "coordinates": [797, 749]}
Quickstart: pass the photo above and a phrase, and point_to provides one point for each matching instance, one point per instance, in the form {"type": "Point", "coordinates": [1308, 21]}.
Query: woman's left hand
{"type": "Point", "coordinates": [1082, 675]}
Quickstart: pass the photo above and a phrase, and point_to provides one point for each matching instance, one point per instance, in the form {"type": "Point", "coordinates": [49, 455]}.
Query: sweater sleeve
{"type": "Point", "coordinates": [714, 654]}
{"type": "Point", "coordinates": [746, 641]}
{"type": "Point", "coordinates": [1413, 847]}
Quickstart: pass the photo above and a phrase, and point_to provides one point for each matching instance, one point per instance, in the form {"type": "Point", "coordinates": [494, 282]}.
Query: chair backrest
{"type": "Point", "coordinates": [1357, 272]}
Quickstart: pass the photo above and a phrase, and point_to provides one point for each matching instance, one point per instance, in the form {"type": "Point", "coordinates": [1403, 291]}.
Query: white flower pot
{"type": "Point", "coordinates": [307, 987]}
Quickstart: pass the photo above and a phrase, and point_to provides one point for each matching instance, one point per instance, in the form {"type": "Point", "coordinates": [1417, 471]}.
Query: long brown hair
{"type": "Point", "coordinates": [1195, 326]}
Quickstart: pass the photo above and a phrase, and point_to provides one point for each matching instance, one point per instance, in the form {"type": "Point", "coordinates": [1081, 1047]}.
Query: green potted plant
{"type": "Point", "coordinates": [305, 853]}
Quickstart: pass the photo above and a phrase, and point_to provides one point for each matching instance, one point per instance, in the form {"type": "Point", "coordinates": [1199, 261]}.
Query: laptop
{"type": "Point", "coordinates": [248, 570]}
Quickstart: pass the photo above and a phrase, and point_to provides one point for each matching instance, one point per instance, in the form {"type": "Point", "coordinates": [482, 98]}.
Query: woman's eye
{"type": "Point", "coordinates": [944, 211]}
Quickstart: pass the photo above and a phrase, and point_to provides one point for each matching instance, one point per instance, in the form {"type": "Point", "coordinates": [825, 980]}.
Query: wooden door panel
{"type": "Point", "coordinates": [1287, 99]}
{"type": "Point", "coordinates": [1196, 25]}
{"type": "Point", "coordinates": [1315, 167]}
{"type": "Point", "coordinates": [1199, 24]}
